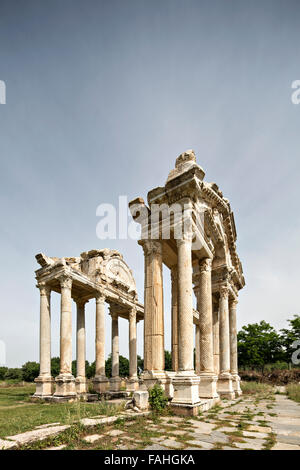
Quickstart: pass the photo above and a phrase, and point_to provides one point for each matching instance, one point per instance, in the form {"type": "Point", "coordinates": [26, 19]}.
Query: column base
{"type": "Point", "coordinates": [101, 384]}
{"type": "Point", "coordinates": [115, 384]}
{"type": "Point", "coordinates": [224, 386]}
{"type": "Point", "coordinates": [44, 386]}
{"type": "Point", "coordinates": [236, 385]}
{"type": "Point", "coordinates": [208, 385]}
{"type": "Point", "coordinates": [152, 377]}
{"type": "Point", "coordinates": [81, 385]}
{"type": "Point", "coordinates": [186, 388]}
{"type": "Point", "coordinates": [65, 386]}
{"type": "Point", "coordinates": [132, 384]}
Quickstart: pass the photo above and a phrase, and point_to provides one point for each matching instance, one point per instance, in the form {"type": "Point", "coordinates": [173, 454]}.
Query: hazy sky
{"type": "Point", "coordinates": [102, 96]}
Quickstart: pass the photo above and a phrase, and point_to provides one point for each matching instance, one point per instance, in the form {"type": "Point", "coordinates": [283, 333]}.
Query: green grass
{"type": "Point", "coordinates": [252, 388]}
{"type": "Point", "coordinates": [18, 414]}
{"type": "Point", "coordinates": [293, 392]}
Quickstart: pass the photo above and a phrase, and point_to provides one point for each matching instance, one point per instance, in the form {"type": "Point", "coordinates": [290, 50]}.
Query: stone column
{"type": "Point", "coordinates": [233, 348]}
{"type": "Point", "coordinates": [216, 336]}
{"type": "Point", "coordinates": [186, 395]}
{"type": "Point", "coordinates": [65, 382]}
{"type": "Point", "coordinates": [115, 382]}
{"type": "Point", "coordinates": [154, 360]}
{"type": "Point", "coordinates": [208, 378]}
{"type": "Point", "coordinates": [197, 349]}
{"type": "Point", "coordinates": [44, 382]}
{"type": "Point", "coordinates": [81, 384]}
{"type": "Point", "coordinates": [100, 380]}
{"type": "Point", "coordinates": [174, 281]}
{"type": "Point", "coordinates": [133, 382]}
{"type": "Point", "coordinates": [225, 388]}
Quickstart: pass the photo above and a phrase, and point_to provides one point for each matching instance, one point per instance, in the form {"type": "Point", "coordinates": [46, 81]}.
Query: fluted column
{"type": "Point", "coordinates": [185, 305]}
{"type": "Point", "coordinates": [185, 381]}
{"type": "Point", "coordinates": [133, 378]}
{"type": "Point", "coordinates": [44, 382]}
{"type": "Point", "coordinates": [208, 378]}
{"type": "Point", "coordinates": [154, 361]}
{"type": "Point", "coordinates": [216, 336]}
{"type": "Point", "coordinates": [65, 382]}
{"type": "Point", "coordinates": [233, 347]}
{"type": "Point", "coordinates": [100, 380]}
{"type": "Point", "coordinates": [174, 281]}
{"type": "Point", "coordinates": [81, 385]}
{"type": "Point", "coordinates": [197, 349]}
{"type": "Point", "coordinates": [115, 381]}
{"type": "Point", "coordinates": [224, 382]}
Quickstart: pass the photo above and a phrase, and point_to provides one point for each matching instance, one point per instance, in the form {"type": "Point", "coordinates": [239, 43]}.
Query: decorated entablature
{"type": "Point", "coordinates": [211, 218]}
{"type": "Point", "coordinates": [96, 270]}
{"type": "Point", "coordinates": [188, 225]}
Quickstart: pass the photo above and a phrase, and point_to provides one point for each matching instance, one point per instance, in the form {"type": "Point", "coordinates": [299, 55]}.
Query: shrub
{"type": "Point", "coordinates": [30, 370]}
{"type": "Point", "coordinates": [293, 392]}
{"type": "Point", "coordinates": [3, 371]}
{"type": "Point", "coordinates": [157, 398]}
{"type": "Point", "coordinates": [13, 374]}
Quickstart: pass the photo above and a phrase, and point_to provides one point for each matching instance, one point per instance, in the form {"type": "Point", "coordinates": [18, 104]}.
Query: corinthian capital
{"type": "Point", "coordinates": [205, 265]}
{"type": "Point", "coordinates": [44, 288]}
{"type": "Point", "coordinates": [233, 302]}
{"type": "Point", "coordinates": [65, 282]}
{"type": "Point", "coordinates": [100, 296]}
{"type": "Point", "coordinates": [132, 313]}
{"type": "Point", "coordinates": [151, 247]}
{"type": "Point", "coordinates": [224, 291]}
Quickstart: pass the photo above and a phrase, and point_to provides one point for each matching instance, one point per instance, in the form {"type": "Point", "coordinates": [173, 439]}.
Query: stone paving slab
{"type": "Point", "coordinates": [202, 444]}
{"type": "Point", "coordinates": [62, 447]}
{"type": "Point", "coordinates": [155, 447]}
{"type": "Point", "coordinates": [295, 440]}
{"type": "Point", "coordinates": [4, 444]}
{"type": "Point", "coordinates": [281, 446]}
{"type": "Point", "coordinates": [92, 438]}
{"type": "Point", "coordinates": [203, 428]}
{"type": "Point", "coordinates": [37, 434]}
{"type": "Point", "coordinates": [114, 433]}
{"type": "Point", "coordinates": [173, 444]}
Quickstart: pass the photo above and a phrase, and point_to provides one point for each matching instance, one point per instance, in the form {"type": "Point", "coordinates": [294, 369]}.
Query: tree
{"type": "Point", "coordinates": [140, 365]}
{"type": "Point", "coordinates": [123, 366]}
{"type": "Point", "coordinates": [168, 360]}
{"type": "Point", "coordinates": [288, 336]}
{"type": "Point", "coordinates": [91, 370]}
{"type": "Point", "coordinates": [30, 370]}
{"type": "Point", "coordinates": [13, 374]}
{"type": "Point", "coordinates": [3, 371]}
{"type": "Point", "coordinates": [259, 344]}
{"type": "Point", "coordinates": [55, 366]}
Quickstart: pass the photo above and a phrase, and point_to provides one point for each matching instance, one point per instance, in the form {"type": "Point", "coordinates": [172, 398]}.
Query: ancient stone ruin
{"type": "Point", "coordinates": [188, 225]}
{"type": "Point", "coordinates": [104, 276]}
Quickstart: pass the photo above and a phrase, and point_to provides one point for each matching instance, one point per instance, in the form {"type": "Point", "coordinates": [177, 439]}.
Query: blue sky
{"type": "Point", "coordinates": [102, 96]}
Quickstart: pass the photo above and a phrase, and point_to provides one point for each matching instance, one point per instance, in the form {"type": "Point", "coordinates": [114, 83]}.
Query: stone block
{"type": "Point", "coordinates": [141, 399]}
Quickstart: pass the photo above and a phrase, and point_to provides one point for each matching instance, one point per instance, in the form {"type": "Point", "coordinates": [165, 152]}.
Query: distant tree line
{"type": "Point", "coordinates": [259, 344]}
